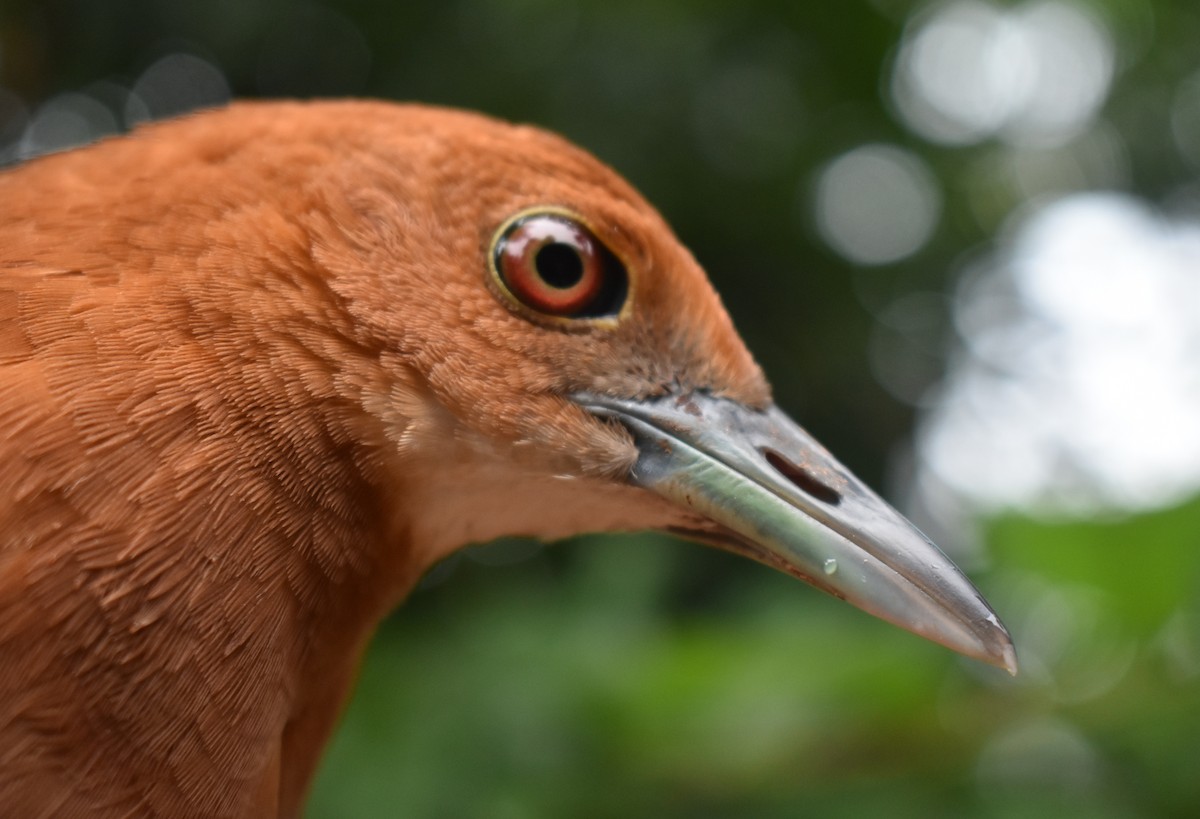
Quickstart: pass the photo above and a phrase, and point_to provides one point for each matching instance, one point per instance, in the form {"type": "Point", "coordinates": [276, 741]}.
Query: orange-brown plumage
{"type": "Point", "coordinates": [253, 382]}
{"type": "Point", "coordinates": [226, 371]}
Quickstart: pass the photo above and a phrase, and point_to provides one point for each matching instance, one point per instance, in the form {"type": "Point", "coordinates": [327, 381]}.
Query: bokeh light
{"type": "Point", "coordinates": [176, 84]}
{"type": "Point", "coordinates": [968, 70]}
{"type": "Point", "coordinates": [877, 204]}
{"type": "Point", "coordinates": [1079, 384]}
{"type": "Point", "coordinates": [66, 121]}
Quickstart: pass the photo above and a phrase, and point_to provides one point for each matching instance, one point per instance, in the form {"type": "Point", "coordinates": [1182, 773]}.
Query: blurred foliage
{"type": "Point", "coordinates": [587, 685]}
{"type": "Point", "coordinates": [641, 677]}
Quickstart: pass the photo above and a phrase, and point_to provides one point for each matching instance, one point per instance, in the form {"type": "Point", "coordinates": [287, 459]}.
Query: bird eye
{"type": "Point", "coordinates": [552, 264]}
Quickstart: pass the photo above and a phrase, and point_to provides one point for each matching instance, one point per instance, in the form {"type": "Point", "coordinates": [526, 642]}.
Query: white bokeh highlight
{"type": "Point", "coordinates": [877, 204]}
{"type": "Point", "coordinates": [1035, 73]}
{"type": "Point", "coordinates": [172, 85]}
{"type": "Point", "coordinates": [176, 84]}
{"type": "Point", "coordinates": [66, 121]}
{"type": "Point", "coordinates": [1079, 384]}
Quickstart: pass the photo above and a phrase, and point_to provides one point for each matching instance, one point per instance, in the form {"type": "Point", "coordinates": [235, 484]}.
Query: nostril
{"type": "Point", "coordinates": [803, 480]}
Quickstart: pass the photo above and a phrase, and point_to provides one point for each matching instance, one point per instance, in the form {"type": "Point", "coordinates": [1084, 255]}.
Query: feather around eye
{"type": "Point", "coordinates": [550, 264]}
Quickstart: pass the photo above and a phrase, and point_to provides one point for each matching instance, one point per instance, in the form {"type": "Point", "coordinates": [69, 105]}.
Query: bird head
{"type": "Point", "coordinates": [556, 361]}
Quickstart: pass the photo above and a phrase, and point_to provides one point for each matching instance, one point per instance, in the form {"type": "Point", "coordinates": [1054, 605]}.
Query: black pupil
{"type": "Point", "coordinates": [559, 265]}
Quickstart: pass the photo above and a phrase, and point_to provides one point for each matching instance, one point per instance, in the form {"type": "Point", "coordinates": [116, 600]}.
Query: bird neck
{"type": "Point", "coordinates": [348, 557]}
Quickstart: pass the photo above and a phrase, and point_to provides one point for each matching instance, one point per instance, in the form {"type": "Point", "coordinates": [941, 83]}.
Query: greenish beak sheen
{"type": "Point", "coordinates": [776, 495]}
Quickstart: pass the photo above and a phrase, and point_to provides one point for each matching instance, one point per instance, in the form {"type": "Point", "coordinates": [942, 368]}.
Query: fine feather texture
{"type": "Point", "coordinates": [252, 384]}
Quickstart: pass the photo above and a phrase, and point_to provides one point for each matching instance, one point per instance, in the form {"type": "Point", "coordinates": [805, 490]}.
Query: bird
{"type": "Point", "coordinates": [262, 366]}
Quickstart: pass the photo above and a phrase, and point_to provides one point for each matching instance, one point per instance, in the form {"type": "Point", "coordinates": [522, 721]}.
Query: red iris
{"type": "Point", "coordinates": [554, 265]}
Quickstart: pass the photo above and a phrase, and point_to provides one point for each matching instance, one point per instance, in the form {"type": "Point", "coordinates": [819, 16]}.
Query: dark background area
{"type": "Point", "coordinates": [639, 676]}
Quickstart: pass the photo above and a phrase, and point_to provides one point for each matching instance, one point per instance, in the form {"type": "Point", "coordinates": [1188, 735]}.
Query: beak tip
{"type": "Point", "coordinates": [1008, 659]}
{"type": "Point", "coordinates": [997, 647]}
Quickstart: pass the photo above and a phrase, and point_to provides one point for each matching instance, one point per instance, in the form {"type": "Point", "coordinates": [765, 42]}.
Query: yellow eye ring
{"type": "Point", "coordinates": [550, 267]}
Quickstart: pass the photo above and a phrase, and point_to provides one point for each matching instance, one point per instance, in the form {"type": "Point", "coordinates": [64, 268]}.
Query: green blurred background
{"type": "Point", "coordinates": [963, 239]}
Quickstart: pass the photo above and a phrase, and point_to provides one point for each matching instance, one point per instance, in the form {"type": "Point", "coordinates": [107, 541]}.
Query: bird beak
{"type": "Point", "coordinates": [777, 496]}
